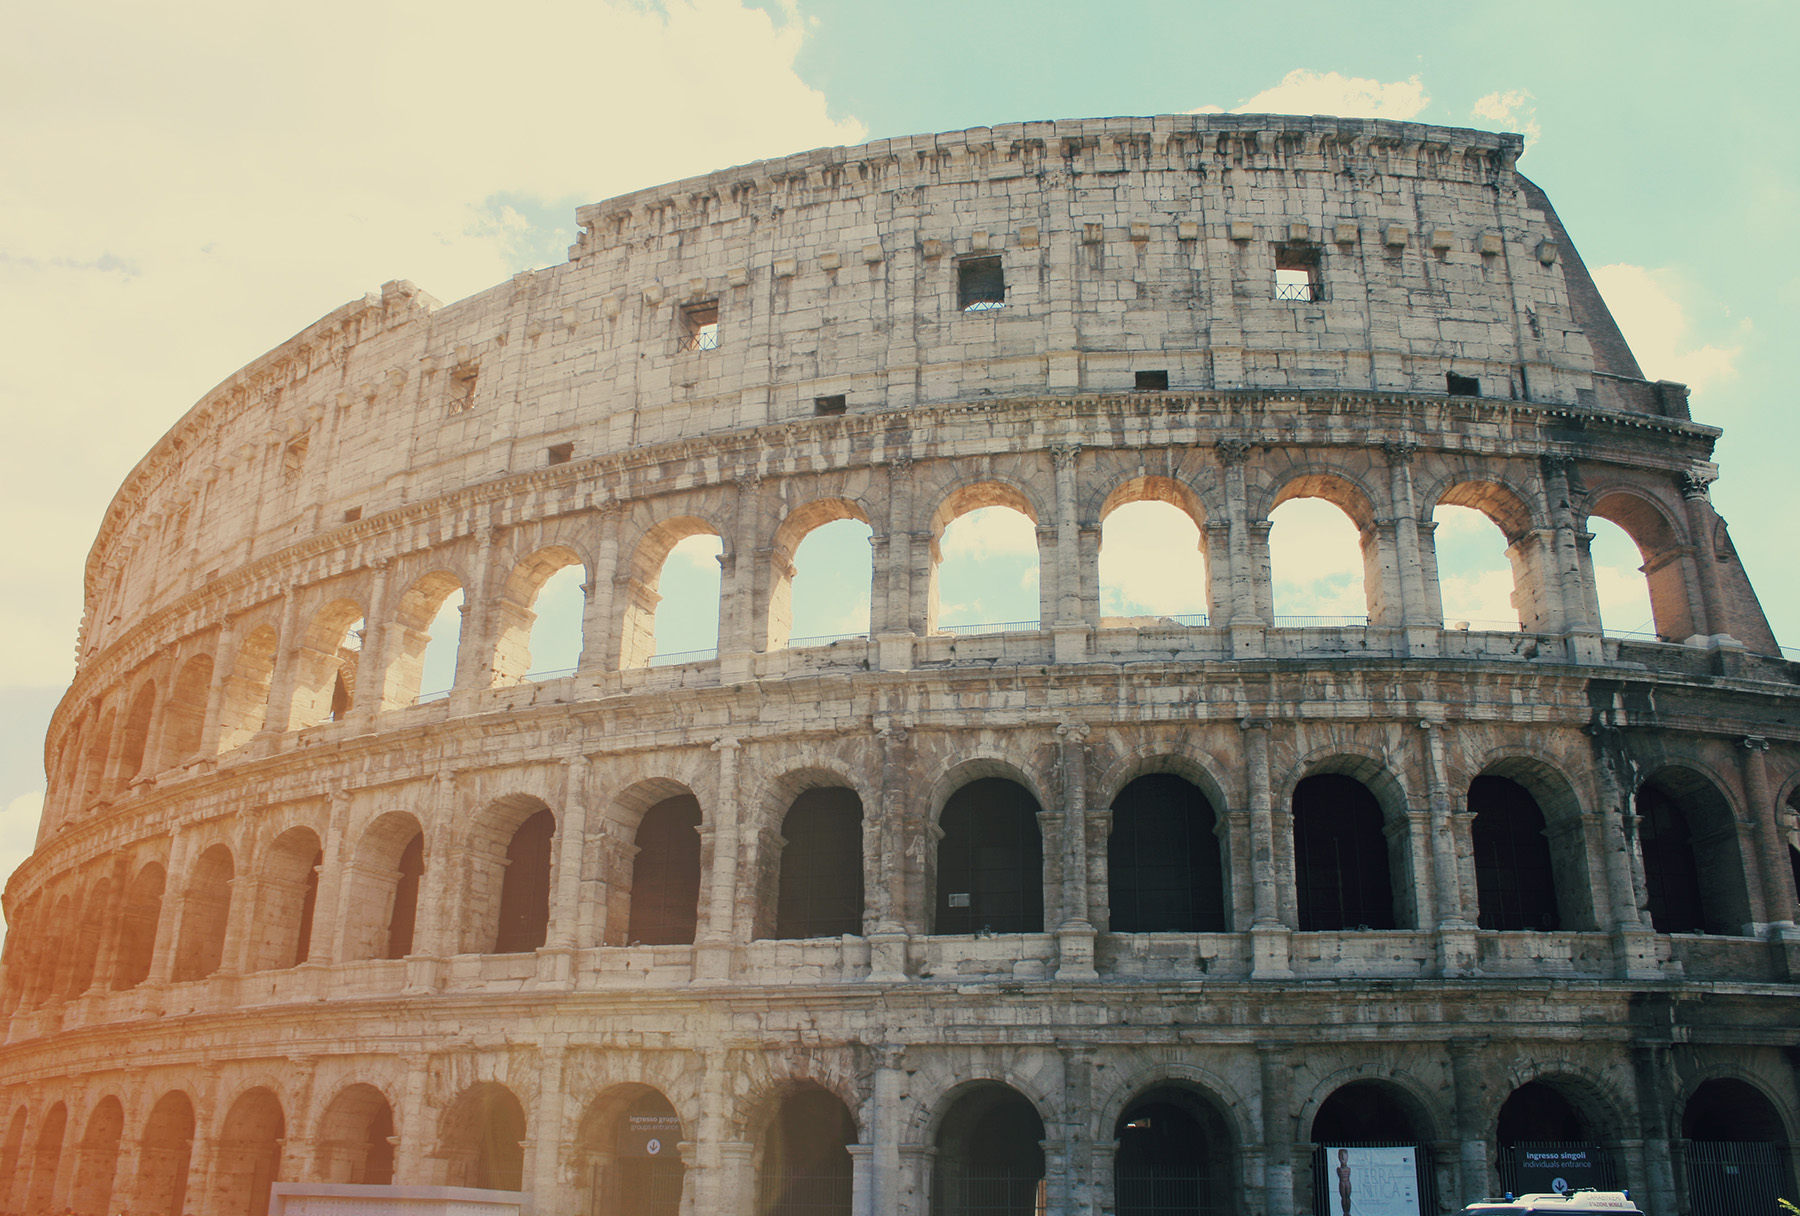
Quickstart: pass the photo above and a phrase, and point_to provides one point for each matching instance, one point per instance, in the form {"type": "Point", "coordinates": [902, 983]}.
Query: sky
{"type": "Point", "coordinates": [184, 186]}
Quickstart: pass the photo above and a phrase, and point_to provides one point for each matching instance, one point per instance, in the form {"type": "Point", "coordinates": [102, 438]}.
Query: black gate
{"type": "Point", "coordinates": [822, 1192]}
{"type": "Point", "coordinates": [989, 1193]}
{"type": "Point", "coordinates": [636, 1187]}
{"type": "Point", "coordinates": [1160, 1191]}
{"type": "Point", "coordinates": [1324, 1178]}
{"type": "Point", "coordinates": [1535, 1167]}
{"type": "Point", "coordinates": [1730, 1179]}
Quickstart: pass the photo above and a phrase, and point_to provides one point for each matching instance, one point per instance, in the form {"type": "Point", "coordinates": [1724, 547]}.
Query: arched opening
{"type": "Point", "coordinates": [134, 735]}
{"type": "Point", "coordinates": [422, 640]}
{"type": "Point", "coordinates": [672, 595]}
{"type": "Point", "coordinates": [93, 765]}
{"type": "Point", "coordinates": [1322, 551]}
{"type": "Point", "coordinates": [53, 968]}
{"type": "Point", "coordinates": [1478, 570]}
{"type": "Point", "coordinates": [205, 911]}
{"type": "Point", "coordinates": [482, 1139]}
{"type": "Point", "coordinates": [1687, 837]}
{"type": "Point", "coordinates": [1162, 859]}
{"type": "Point", "coordinates": [990, 1155]}
{"type": "Point", "coordinates": [355, 1138]}
{"type": "Point", "coordinates": [1342, 876]}
{"type": "Point", "coordinates": [803, 1166]}
{"type": "Point", "coordinates": [821, 594]}
{"type": "Point", "coordinates": [249, 1154]}
{"type": "Point", "coordinates": [820, 893]}
{"type": "Point", "coordinates": [244, 699]}
{"type": "Point", "coordinates": [627, 1146]}
{"type": "Point", "coordinates": [984, 563]}
{"type": "Point", "coordinates": [87, 941]}
{"type": "Point", "coordinates": [540, 610]}
{"type": "Point", "coordinates": [1541, 1138]}
{"type": "Point", "coordinates": [1640, 577]}
{"type": "Point", "coordinates": [508, 901]}
{"type": "Point", "coordinates": [1153, 565]}
{"type": "Point", "coordinates": [99, 1160]}
{"type": "Point", "coordinates": [384, 883]}
{"type": "Point", "coordinates": [184, 717]}
{"type": "Point", "coordinates": [665, 875]}
{"type": "Point", "coordinates": [1371, 1138]}
{"type": "Point", "coordinates": [990, 860]}
{"type": "Point", "coordinates": [164, 1157]}
{"type": "Point", "coordinates": [287, 899]}
{"type": "Point", "coordinates": [10, 1152]}
{"type": "Point", "coordinates": [326, 666]}
{"type": "Point", "coordinates": [1736, 1149]}
{"type": "Point", "coordinates": [46, 1156]}
{"type": "Point", "coordinates": [1175, 1156]}
{"type": "Point", "coordinates": [137, 928]}
{"type": "Point", "coordinates": [525, 889]}
{"type": "Point", "coordinates": [1513, 875]}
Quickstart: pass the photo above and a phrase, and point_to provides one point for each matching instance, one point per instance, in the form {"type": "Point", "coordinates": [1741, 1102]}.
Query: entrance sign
{"type": "Point", "coordinates": [1372, 1181]}
{"type": "Point", "coordinates": [650, 1136]}
{"type": "Point", "coordinates": [1557, 1170]}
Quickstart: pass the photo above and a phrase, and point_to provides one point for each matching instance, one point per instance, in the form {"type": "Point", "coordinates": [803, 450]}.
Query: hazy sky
{"type": "Point", "coordinates": [187, 185]}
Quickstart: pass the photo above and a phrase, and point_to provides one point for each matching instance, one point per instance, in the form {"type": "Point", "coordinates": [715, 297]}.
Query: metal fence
{"type": "Point", "coordinates": [1157, 1191]}
{"type": "Point", "coordinates": [824, 1192]}
{"type": "Point", "coordinates": [1735, 1179]}
{"type": "Point", "coordinates": [986, 1193]}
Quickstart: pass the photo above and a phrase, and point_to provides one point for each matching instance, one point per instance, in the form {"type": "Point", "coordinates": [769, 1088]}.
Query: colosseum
{"type": "Point", "coordinates": [1086, 914]}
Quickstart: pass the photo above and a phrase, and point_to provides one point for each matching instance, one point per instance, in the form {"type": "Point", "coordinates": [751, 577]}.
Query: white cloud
{"type": "Point", "coordinates": [1303, 91]}
{"type": "Point", "coordinates": [1150, 562]}
{"type": "Point", "coordinates": [1315, 558]}
{"type": "Point", "coordinates": [1511, 110]}
{"type": "Point", "coordinates": [989, 568]}
{"type": "Point", "coordinates": [1475, 578]}
{"type": "Point", "coordinates": [189, 186]}
{"type": "Point", "coordinates": [989, 532]}
{"type": "Point", "coordinates": [1655, 322]}
{"type": "Point", "coordinates": [18, 833]}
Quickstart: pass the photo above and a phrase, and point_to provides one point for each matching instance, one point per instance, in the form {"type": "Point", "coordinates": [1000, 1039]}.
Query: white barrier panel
{"type": "Point", "coordinates": [344, 1199]}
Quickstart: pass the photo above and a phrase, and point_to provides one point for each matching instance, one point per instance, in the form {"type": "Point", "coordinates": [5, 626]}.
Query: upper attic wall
{"type": "Point", "coordinates": [1126, 245]}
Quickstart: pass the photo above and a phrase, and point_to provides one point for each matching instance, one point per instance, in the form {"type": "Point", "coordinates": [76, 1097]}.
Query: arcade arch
{"type": "Point", "coordinates": [990, 860]}
{"type": "Point", "coordinates": [383, 880]}
{"type": "Point", "coordinates": [1175, 1155]}
{"type": "Point", "coordinates": [664, 882]}
{"type": "Point", "coordinates": [481, 1138]}
{"type": "Point", "coordinates": [426, 628]}
{"type": "Point", "coordinates": [1153, 555]}
{"type": "Point", "coordinates": [205, 912]}
{"type": "Point", "coordinates": [1346, 857]}
{"type": "Point", "coordinates": [184, 714]}
{"type": "Point", "coordinates": [984, 561]}
{"type": "Point", "coordinates": [248, 1158]}
{"type": "Point", "coordinates": [287, 899]}
{"type": "Point", "coordinates": [138, 915]}
{"type": "Point", "coordinates": [821, 572]}
{"type": "Point", "coordinates": [627, 1159]}
{"type": "Point", "coordinates": [244, 697]}
{"type": "Point", "coordinates": [820, 889]}
{"type": "Point", "coordinates": [1325, 562]}
{"type": "Point", "coordinates": [645, 630]}
{"type": "Point", "coordinates": [540, 613]}
{"type": "Point", "coordinates": [990, 1155]}
{"type": "Point", "coordinates": [353, 1138]}
{"type": "Point", "coordinates": [1688, 842]}
{"type": "Point", "coordinates": [326, 665]}
{"type": "Point", "coordinates": [801, 1157]}
{"type": "Point", "coordinates": [1164, 872]}
{"type": "Point", "coordinates": [165, 1155]}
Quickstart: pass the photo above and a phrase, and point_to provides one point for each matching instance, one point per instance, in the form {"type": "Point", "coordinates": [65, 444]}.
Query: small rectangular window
{"type": "Point", "coordinates": [833, 404]}
{"type": "Point", "coordinates": [1297, 272]}
{"type": "Point", "coordinates": [1461, 386]}
{"type": "Point", "coordinates": [352, 515]}
{"type": "Point", "coordinates": [462, 386]}
{"type": "Point", "coordinates": [700, 326]}
{"type": "Point", "coordinates": [560, 453]}
{"type": "Point", "coordinates": [980, 284]}
{"type": "Point", "coordinates": [1152, 381]}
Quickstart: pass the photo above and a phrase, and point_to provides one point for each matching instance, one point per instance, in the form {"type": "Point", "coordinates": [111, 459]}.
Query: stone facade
{"type": "Point", "coordinates": [286, 920]}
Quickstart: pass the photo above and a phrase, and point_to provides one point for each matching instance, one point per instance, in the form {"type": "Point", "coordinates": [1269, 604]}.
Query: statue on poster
{"type": "Point", "coordinates": [1373, 1181]}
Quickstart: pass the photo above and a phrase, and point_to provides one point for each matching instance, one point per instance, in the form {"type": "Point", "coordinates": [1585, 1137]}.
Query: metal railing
{"type": "Point", "coordinates": [824, 1192]}
{"type": "Point", "coordinates": [981, 627]}
{"type": "Point", "coordinates": [675, 658]}
{"type": "Point", "coordinates": [826, 639]}
{"type": "Point", "coordinates": [1283, 621]}
{"type": "Point", "coordinates": [1297, 291]}
{"type": "Point", "coordinates": [554, 673]}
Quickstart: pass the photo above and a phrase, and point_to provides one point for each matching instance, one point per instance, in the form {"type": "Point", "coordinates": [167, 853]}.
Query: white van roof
{"type": "Point", "coordinates": [1618, 1202]}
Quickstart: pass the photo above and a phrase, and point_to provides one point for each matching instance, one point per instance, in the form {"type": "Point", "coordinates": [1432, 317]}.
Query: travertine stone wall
{"type": "Point", "coordinates": [197, 984]}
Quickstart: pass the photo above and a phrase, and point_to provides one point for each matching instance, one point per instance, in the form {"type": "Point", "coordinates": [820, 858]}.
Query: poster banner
{"type": "Point", "coordinates": [1372, 1181]}
{"type": "Point", "coordinates": [1557, 1170]}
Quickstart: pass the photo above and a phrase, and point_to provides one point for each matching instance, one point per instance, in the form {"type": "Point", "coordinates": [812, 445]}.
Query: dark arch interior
{"type": "Point", "coordinates": [990, 1155]}
{"type": "Point", "coordinates": [1341, 873]}
{"type": "Point", "coordinates": [249, 1153]}
{"type": "Point", "coordinates": [665, 879]}
{"type": "Point", "coordinates": [1366, 1112]}
{"type": "Point", "coordinates": [1163, 859]}
{"type": "Point", "coordinates": [1174, 1157]}
{"type": "Point", "coordinates": [645, 1175]}
{"type": "Point", "coordinates": [821, 889]}
{"type": "Point", "coordinates": [990, 872]}
{"type": "Point", "coordinates": [1536, 1113]}
{"type": "Point", "coordinates": [403, 920]}
{"type": "Point", "coordinates": [164, 1159]}
{"type": "Point", "coordinates": [804, 1168]}
{"type": "Point", "coordinates": [1670, 874]}
{"type": "Point", "coordinates": [1513, 875]}
{"type": "Point", "coordinates": [485, 1139]}
{"type": "Point", "coordinates": [525, 889]}
{"type": "Point", "coordinates": [1731, 1110]}
{"type": "Point", "coordinates": [353, 1141]}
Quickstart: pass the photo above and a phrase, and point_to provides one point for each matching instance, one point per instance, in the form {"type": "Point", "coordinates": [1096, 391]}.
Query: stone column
{"type": "Point", "coordinates": [1421, 618]}
{"type": "Point", "coordinates": [411, 1155]}
{"type": "Point", "coordinates": [1772, 850]}
{"type": "Point", "coordinates": [886, 1121]}
{"type": "Point", "coordinates": [1277, 1130]}
{"type": "Point", "coordinates": [544, 1177]}
{"type": "Point", "coordinates": [475, 642]}
{"type": "Point", "coordinates": [1650, 1064]}
{"type": "Point", "coordinates": [901, 619]}
{"type": "Point", "coordinates": [1269, 933]}
{"type": "Point", "coordinates": [1246, 619]}
{"type": "Point", "coordinates": [174, 907]}
{"type": "Point", "coordinates": [1450, 907]}
{"type": "Point", "coordinates": [434, 929]}
{"type": "Point", "coordinates": [279, 715]}
{"type": "Point", "coordinates": [106, 952]}
{"type": "Point", "coordinates": [1065, 619]}
{"type": "Point", "coordinates": [215, 691]}
{"type": "Point", "coordinates": [712, 953]}
{"type": "Point", "coordinates": [371, 668]}
{"type": "Point", "coordinates": [1714, 613]}
{"type": "Point", "coordinates": [599, 646]}
{"type": "Point", "coordinates": [1075, 935]}
{"type": "Point", "coordinates": [571, 846]}
{"type": "Point", "coordinates": [737, 583]}
{"type": "Point", "coordinates": [887, 940]}
{"type": "Point", "coordinates": [1071, 1186]}
{"type": "Point", "coordinates": [1465, 1080]}
{"type": "Point", "coordinates": [331, 904]}
{"type": "Point", "coordinates": [1568, 571]}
